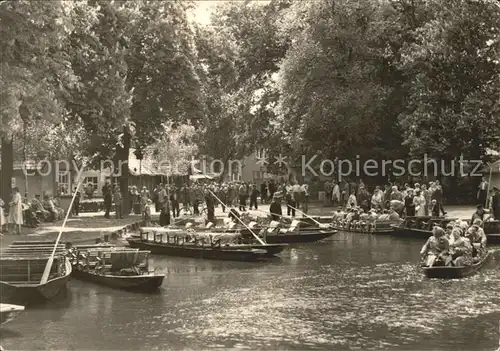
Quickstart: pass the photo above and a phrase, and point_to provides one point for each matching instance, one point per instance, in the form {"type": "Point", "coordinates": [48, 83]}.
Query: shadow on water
{"type": "Point", "coordinates": [51, 312]}
{"type": "Point", "coordinates": [6, 333]}
{"type": "Point", "coordinates": [59, 302]}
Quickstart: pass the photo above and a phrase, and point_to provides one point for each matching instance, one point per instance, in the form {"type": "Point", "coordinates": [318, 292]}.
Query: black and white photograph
{"type": "Point", "coordinates": [250, 175]}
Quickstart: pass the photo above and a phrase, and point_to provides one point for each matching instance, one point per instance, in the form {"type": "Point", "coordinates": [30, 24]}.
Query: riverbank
{"type": "Point", "coordinates": [77, 230]}
{"type": "Point", "coordinates": [91, 226]}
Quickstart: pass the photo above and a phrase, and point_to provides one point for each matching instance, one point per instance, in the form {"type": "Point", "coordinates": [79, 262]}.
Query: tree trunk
{"type": "Point", "coordinates": [122, 157]}
{"type": "Point", "coordinates": [7, 168]}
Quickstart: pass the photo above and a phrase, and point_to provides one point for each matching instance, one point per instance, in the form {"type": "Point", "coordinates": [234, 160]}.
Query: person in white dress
{"type": "Point", "coordinates": [16, 211]}
{"type": "Point", "coordinates": [336, 194]}
{"type": "Point", "coordinates": [420, 203]}
{"type": "Point", "coordinates": [3, 220]}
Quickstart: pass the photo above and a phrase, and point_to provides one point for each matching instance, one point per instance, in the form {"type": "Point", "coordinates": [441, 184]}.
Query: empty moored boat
{"type": "Point", "coordinates": [116, 267]}
{"type": "Point", "coordinates": [23, 266]}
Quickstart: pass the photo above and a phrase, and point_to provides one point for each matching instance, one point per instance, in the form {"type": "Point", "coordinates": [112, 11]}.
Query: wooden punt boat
{"type": "Point", "coordinates": [243, 238]}
{"type": "Point", "coordinates": [419, 227]}
{"type": "Point", "coordinates": [492, 231]}
{"type": "Point", "coordinates": [213, 246]}
{"type": "Point", "coordinates": [293, 234]}
{"type": "Point", "coordinates": [379, 227]}
{"type": "Point", "coordinates": [23, 264]}
{"type": "Point", "coordinates": [450, 272]}
{"type": "Point", "coordinates": [274, 238]}
{"type": "Point", "coordinates": [8, 312]}
{"type": "Point", "coordinates": [115, 267]}
{"type": "Point", "coordinates": [491, 228]}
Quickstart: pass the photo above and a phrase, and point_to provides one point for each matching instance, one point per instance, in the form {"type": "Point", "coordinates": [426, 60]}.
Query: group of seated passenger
{"type": "Point", "coordinates": [47, 210]}
{"type": "Point", "coordinates": [460, 244]}
{"type": "Point", "coordinates": [357, 219]}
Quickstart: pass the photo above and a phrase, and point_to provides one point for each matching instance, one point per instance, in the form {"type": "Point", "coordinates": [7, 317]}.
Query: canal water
{"type": "Point", "coordinates": [353, 291]}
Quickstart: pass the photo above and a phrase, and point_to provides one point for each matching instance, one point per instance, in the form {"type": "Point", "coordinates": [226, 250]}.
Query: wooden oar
{"type": "Point", "coordinates": [488, 190]}
{"type": "Point", "coordinates": [50, 261]}
{"type": "Point", "coordinates": [305, 214]}
{"type": "Point", "coordinates": [251, 231]}
{"type": "Point", "coordinates": [498, 336]}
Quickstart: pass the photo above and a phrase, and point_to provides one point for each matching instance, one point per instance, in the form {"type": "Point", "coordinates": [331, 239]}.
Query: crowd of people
{"type": "Point", "coordinates": [406, 200]}
{"type": "Point", "coordinates": [29, 212]}
{"type": "Point", "coordinates": [357, 204]}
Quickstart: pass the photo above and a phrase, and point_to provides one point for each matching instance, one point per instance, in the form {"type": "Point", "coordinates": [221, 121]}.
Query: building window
{"type": "Point", "coordinates": [63, 182]}
{"type": "Point", "coordinates": [91, 180]}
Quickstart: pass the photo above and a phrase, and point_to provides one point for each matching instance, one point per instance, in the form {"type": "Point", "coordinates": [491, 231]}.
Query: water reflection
{"type": "Point", "coordinates": [355, 292]}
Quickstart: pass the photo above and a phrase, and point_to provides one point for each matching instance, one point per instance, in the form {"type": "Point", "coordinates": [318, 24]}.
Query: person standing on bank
{"type": "Point", "coordinates": [76, 204]}
{"type": "Point", "coordinates": [15, 212]}
{"type": "Point", "coordinates": [275, 209]}
{"type": "Point", "coordinates": [254, 193]}
{"type": "Point", "coordinates": [107, 191]}
{"type": "Point", "coordinates": [118, 202]}
{"type": "Point", "coordinates": [291, 204]}
{"type": "Point", "coordinates": [263, 193]}
{"type": "Point", "coordinates": [297, 194]}
{"type": "Point", "coordinates": [409, 204]}
{"type": "Point", "coordinates": [210, 201]}
{"type": "Point", "coordinates": [272, 188]}
{"type": "Point", "coordinates": [482, 192]}
{"type": "Point", "coordinates": [437, 194]}
{"type": "Point", "coordinates": [176, 211]}
{"type": "Point", "coordinates": [242, 194]}
{"type": "Point", "coordinates": [164, 207]}
{"type": "Point", "coordinates": [305, 198]}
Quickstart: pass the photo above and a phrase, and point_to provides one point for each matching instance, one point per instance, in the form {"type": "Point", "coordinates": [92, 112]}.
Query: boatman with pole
{"type": "Point", "coordinates": [275, 209]}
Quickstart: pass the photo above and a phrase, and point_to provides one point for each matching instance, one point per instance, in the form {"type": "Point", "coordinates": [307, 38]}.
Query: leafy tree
{"type": "Point", "coordinates": [34, 72]}
{"type": "Point", "coordinates": [174, 151]}
{"type": "Point", "coordinates": [137, 67]}
{"type": "Point", "coordinates": [453, 105]}
{"type": "Point", "coordinates": [338, 82]}
{"type": "Point", "coordinates": [239, 53]}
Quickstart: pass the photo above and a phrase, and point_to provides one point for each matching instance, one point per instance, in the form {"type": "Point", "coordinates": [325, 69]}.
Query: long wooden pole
{"type": "Point", "coordinates": [251, 231]}
{"type": "Point", "coordinates": [315, 221]}
{"type": "Point", "coordinates": [24, 160]}
{"type": "Point", "coordinates": [50, 261]}
{"type": "Point", "coordinates": [489, 184]}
